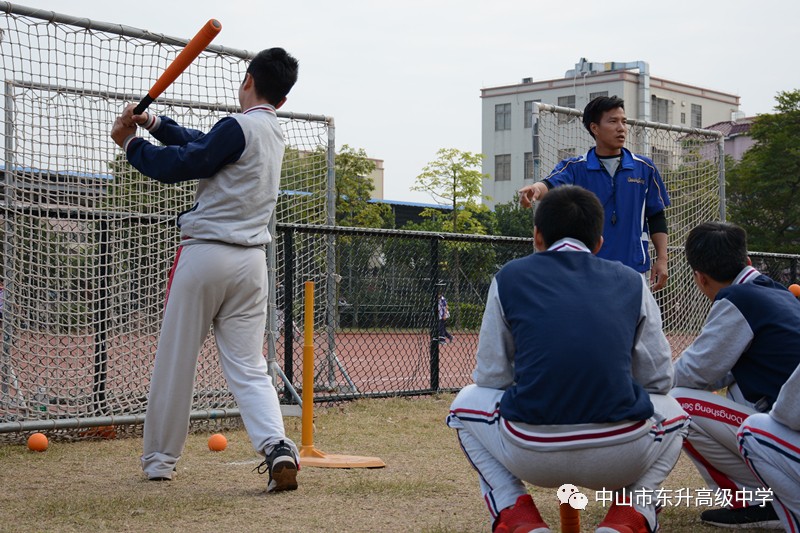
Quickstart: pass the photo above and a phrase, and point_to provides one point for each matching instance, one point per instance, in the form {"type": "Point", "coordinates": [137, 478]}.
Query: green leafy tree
{"type": "Point", "coordinates": [763, 188]}
{"type": "Point", "coordinates": [454, 179]}
{"type": "Point", "coordinates": [354, 190]}
{"type": "Point", "coordinates": [512, 220]}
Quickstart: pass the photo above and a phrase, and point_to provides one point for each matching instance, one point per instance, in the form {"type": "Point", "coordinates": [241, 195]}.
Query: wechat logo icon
{"type": "Point", "coordinates": [569, 494]}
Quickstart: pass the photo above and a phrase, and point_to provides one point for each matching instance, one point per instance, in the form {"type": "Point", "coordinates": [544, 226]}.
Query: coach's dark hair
{"type": "Point", "coordinates": [274, 73]}
{"type": "Point", "coordinates": [570, 211]}
{"type": "Point", "coordinates": [594, 110]}
{"type": "Point", "coordinates": [717, 249]}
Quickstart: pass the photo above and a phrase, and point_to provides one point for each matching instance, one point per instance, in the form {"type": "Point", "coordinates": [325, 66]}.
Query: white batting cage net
{"type": "Point", "coordinates": [88, 241]}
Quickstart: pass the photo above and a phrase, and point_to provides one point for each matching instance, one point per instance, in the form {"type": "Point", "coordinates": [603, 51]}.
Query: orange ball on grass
{"type": "Point", "coordinates": [38, 442]}
{"type": "Point", "coordinates": [217, 442]}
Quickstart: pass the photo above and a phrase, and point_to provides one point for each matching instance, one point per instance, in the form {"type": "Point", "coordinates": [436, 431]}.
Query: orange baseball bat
{"type": "Point", "coordinates": [570, 519]}
{"type": "Point", "coordinates": [193, 48]}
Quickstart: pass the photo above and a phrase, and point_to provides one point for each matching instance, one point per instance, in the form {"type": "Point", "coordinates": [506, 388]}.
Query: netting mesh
{"type": "Point", "coordinates": [689, 162]}
{"type": "Point", "coordinates": [88, 241]}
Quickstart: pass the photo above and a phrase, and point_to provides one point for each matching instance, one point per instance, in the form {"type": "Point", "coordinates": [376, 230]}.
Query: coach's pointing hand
{"type": "Point", "coordinates": [531, 193]}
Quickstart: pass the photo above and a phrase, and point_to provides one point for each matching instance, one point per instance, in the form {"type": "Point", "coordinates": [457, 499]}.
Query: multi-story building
{"type": "Point", "coordinates": [507, 138]}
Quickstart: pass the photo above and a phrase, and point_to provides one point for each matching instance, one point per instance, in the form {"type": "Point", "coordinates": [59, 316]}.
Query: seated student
{"type": "Point", "coordinates": [750, 343]}
{"type": "Point", "coordinates": [770, 445]}
{"type": "Point", "coordinates": [571, 378]}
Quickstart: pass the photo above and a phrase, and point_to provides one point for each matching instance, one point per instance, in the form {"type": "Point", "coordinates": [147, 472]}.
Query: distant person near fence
{"type": "Point", "coordinates": [443, 311]}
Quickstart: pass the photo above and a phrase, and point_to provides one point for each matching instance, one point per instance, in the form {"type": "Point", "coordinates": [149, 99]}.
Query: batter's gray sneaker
{"type": "Point", "coordinates": [755, 516]}
{"type": "Point", "coordinates": [281, 463]}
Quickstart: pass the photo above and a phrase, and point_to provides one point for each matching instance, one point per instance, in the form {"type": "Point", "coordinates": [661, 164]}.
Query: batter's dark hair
{"type": "Point", "coordinates": [717, 249]}
{"type": "Point", "coordinates": [570, 211]}
{"type": "Point", "coordinates": [594, 110]}
{"type": "Point", "coordinates": [274, 73]}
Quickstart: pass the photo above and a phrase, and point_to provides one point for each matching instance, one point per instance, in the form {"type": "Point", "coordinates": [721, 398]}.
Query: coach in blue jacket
{"type": "Point", "coordinates": [629, 188]}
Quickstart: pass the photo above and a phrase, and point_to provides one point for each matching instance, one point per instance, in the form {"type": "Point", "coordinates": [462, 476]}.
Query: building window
{"type": "Point", "coordinates": [660, 110]}
{"type": "Point", "coordinates": [502, 167]}
{"type": "Point", "coordinates": [592, 96]}
{"type": "Point", "coordinates": [502, 117]}
{"type": "Point", "coordinates": [565, 101]}
{"type": "Point", "coordinates": [529, 112]}
{"type": "Point", "coordinates": [531, 166]}
{"type": "Point", "coordinates": [683, 118]}
{"type": "Point", "coordinates": [697, 116]}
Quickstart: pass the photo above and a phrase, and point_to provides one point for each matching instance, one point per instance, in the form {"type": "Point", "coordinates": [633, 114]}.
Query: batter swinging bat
{"type": "Point", "coordinates": [193, 48]}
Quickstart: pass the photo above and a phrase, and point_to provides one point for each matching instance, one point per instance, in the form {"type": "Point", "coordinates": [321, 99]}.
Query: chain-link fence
{"type": "Point", "coordinates": [381, 335]}
{"type": "Point", "coordinates": [384, 319]}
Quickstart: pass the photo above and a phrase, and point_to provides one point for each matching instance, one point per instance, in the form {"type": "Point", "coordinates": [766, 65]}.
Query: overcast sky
{"type": "Point", "coordinates": [403, 79]}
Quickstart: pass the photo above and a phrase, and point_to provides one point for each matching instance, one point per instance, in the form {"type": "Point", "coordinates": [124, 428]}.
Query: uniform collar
{"type": "Point", "coordinates": [593, 162]}
{"type": "Point", "coordinates": [261, 107]}
{"type": "Point", "coordinates": [747, 275]}
{"type": "Point", "coordinates": [568, 245]}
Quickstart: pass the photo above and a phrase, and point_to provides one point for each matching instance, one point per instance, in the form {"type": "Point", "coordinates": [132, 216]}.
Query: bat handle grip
{"type": "Point", "coordinates": [570, 519]}
{"type": "Point", "coordinates": [143, 104]}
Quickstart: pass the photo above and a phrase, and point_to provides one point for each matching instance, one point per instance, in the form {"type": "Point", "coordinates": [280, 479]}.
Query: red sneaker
{"type": "Point", "coordinates": [522, 517]}
{"type": "Point", "coordinates": [623, 519]}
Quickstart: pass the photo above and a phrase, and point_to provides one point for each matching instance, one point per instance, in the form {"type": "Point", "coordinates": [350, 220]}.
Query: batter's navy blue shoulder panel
{"type": "Point", "coordinates": [201, 157]}
{"type": "Point", "coordinates": [773, 314]}
{"type": "Point", "coordinates": [574, 319]}
{"type": "Point", "coordinates": [170, 132]}
{"type": "Point", "coordinates": [634, 193]}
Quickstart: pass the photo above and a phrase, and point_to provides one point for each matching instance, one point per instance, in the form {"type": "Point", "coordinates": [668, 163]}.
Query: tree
{"type": "Point", "coordinates": [513, 220]}
{"type": "Point", "coordinates": [454, 179]}
{"type": "Point", "coordinates": [354, 191]}
{"type": "Point", "coordinates": [763, 187]}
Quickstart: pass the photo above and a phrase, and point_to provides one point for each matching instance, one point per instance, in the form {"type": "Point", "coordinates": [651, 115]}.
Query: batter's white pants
{"type": "Point", "coordinates": [637, 466]}
{"type": "Point", "coordinates": [224, 285]}
{"type": "Point", "coordinates": [772, 451]}
{"type": "Point", "coordinates": [712, 443]}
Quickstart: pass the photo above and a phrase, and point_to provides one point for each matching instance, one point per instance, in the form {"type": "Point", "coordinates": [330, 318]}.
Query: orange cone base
{"type": "Point", "coordinates": [310, 456]}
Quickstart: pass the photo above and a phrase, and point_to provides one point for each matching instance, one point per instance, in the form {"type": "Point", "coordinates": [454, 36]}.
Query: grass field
{"type": "Point", "coordinates": [427, 486]}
